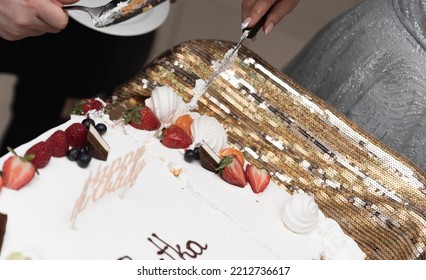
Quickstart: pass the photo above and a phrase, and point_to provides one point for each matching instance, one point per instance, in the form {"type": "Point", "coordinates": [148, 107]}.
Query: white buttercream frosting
{"type": "Point", "coordinates": [208, 129]}
{"type": "Point", "coordinates": [166, 105]}
{"type": "Point", "coordinates": [301, 213]}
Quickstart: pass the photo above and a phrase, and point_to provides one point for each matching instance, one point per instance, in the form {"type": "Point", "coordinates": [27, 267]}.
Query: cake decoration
{"type": "Point", "coordinates": [208, 158]}
{"type": "Point", "coordinates": [208, 130]}
{"type": "Point", "coordinates": [141, 117]}
{"type": "Point", "coordinates": [175, 137]}
{"type": "Point", "coordinates": [41, 154]}
{"type": "Point", "coordinates": [191, 250]}
{"type": "Point", "coordinates": [301, 213]}
{"type": "Point", "coordinates": [18, 171]}
{"type": "Point", "coordinates": [231, 170]}
{"type": "Point", "coordinates": [97, 147]}
{"type": "Point", "coordinates": [258, 178]}
{"type": "Point", "coordinates": [3, 222]}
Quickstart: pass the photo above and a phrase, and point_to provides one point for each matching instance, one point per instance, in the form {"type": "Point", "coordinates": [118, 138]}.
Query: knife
{"type": "Point", "coordinates": [248, 32]}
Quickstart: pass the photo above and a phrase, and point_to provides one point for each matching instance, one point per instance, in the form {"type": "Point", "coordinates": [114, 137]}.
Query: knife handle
{"type": "Point", "coordinates": [253, 30]}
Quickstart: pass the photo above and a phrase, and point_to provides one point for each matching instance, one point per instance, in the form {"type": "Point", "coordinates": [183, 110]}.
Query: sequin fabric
{"type": "Point", "coordinates": [370, 64]}
{"type": "Point", "coordinates": [377, 196]}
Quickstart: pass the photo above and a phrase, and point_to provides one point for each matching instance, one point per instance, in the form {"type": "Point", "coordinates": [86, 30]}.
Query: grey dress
{"type": "Point", "coordinates": [370, 64]}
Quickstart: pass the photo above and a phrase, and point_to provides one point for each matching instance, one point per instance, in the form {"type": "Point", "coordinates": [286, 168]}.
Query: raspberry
{"type": "Point", "coordinates": [58, 143]}
{"type": "Point", "coordinates": [42, 154]}
{"type": "Point", "coordinates": [76, 135]}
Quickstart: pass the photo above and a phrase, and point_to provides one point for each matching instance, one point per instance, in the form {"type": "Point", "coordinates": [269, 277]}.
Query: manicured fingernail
{"type": "Point", "coordinates": [246, 22]}
{"type": "Point", "coordinates": [269, 28]}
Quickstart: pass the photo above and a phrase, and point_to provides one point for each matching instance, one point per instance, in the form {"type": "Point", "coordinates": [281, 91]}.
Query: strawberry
{"type": "Point", "coordinates": [232, 171]}
{"type": "Point", "coordinates": [141, 117]}
{"type": "Point", "coordinates": [1, 179]}
{"type": "Point", "coordinates": [175, 137]}
{"type": "Point", "coordinates": [76, 135]}
{"type": "Point", "coordinates": [41, 154]}
{"type": "Point", "coordinates": [18, 171]}
{"type": "Point", "coordinates": [85, 105]}
{"type": "Point", "coordinates": [257, 178]}
{"type": "Point", "coordinates": [58, 143]}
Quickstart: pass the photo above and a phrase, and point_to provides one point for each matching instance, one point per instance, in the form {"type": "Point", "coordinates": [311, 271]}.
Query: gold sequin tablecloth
{"type": "Point", "coordinates": [377, 196]}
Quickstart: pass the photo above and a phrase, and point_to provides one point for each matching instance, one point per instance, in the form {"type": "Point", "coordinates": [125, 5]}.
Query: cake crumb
{"type": "Point", "coordinates": [176, 171]}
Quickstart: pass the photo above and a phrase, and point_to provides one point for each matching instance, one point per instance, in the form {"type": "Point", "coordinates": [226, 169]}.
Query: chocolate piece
{"type": "Point", "coordinates": [97, 147]}
{"type": "Point", "coordinates": [3, 221]}
{"type": "Point", "coordinates": [208, 158]}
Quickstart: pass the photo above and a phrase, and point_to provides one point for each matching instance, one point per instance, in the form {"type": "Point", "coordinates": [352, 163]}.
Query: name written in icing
{"type": "Point", "coordinates": [192, 250]}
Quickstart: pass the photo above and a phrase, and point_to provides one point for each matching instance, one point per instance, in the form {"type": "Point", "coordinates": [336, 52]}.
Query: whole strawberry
{"type": "Point", "coordinates": [41, 154]}
{"type": "Point", "coordinates": [257, 178]}
{"type": "Point", "coordinates": [58, 143]}
{"type": "Point", "coordinates": [175, 137]}
{"type": "Point", "coordinates": [141, 117]}
{"type": "Point", "coordinates": [17, 171]}
{"type": "Point", "coordinates": [83, 106]}
{"type": "Point", "coordinates": [232, 171]}
{"type": "Point", "coordinates": [76, 135]}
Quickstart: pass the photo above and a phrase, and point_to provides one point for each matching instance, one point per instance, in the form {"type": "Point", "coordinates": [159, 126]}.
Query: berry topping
{"type": "Point", "coordinates": [83, 160]}
{"type": "Point", "coordinates": [101, 128]}
{"type": "Point", "coordinates": [87, 122]}
{"type": "Point", "coordinates": [85, 105]}
{"type": "Point", "coordinates": [76, 135]}
{"type": "Point", "coordinates": [175, 137]}
{"type": "Point", "coordinates": [141, 117]}
{"type": "Point", "coordinates": [189, 155]}
{"type": "Point", "coordinates": [1, 179]}
{"type": "Point", "coordinates": [18, 171]}
{"type": "Point", "coordinates": [231, 170]}
{"type": "Point", "coordinates": [41, 154]}
{"type": "Point", "coordinates": [232, 151]}
{"type": "Point", "coordinates": [58, 143]}
{"type": "Point", "coordinates": [257, 178]}
{"type": "Point", "coordinates": [73, 154]}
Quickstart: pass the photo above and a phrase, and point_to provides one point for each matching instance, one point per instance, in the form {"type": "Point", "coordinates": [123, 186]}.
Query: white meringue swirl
{"type": "Point", "coordinates": [301, 213]}
{"type": "Point", "coordinates": [208, 129]}
{"type": "Point", "coordinates": [166, 105]}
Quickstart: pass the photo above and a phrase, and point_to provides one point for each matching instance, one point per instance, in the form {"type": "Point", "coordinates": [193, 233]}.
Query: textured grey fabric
{"type": "Point", "coordinates": [370, 64]}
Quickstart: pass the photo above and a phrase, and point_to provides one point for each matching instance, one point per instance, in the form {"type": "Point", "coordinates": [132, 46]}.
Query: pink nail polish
{"type": "Point", "coordinates": [246, 22]}
{"type": "Point", "coordinates": [269, 28]}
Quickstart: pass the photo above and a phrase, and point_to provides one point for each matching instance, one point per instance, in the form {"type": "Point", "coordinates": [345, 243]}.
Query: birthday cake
{"type": "Point", "coordinates": [153, 181]}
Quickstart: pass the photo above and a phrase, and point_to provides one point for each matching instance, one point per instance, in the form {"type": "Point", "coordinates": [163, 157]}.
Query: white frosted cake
{"type": "Point", "coordinates": [145, 201]}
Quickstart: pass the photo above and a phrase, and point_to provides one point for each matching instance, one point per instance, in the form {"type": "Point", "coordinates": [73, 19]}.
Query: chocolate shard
{"type": "Point", "coordinates": [97, 147]}
{"type": "Point", "coordinates": [3, 222]}
{"type": "Point", "coordinates": [208, 158]}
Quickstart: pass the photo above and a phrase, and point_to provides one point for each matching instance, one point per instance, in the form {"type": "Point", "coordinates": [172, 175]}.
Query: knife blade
{"type": "Point", "coordinates": [247, 33]}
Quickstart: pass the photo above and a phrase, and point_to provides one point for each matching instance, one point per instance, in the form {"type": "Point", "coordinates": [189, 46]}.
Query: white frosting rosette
{"type": "Point", "coordinates": [166, 105]}
{"type": "Point", "coordinates": [301, 213]}
{"type": "Point", "coordinates": [208, 129]}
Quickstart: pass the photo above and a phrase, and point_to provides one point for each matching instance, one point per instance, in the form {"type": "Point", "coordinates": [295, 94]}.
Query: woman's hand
{"type": "Point", "coordinates": [253, 10]}
{"type": "Point", "coordinates": [25, 18]}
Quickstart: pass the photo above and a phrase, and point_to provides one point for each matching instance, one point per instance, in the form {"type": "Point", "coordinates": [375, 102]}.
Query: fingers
{"type": "Point", "coordinates": [253, 10]}
{"type": "Point", "coordinates": [21, 19]}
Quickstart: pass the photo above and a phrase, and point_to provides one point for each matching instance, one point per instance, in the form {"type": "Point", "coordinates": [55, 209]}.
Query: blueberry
{"type": "Point", "coordinates": [73, 154]}
{"type": "Point", "coordinates": [101, 128]}
{"type": "Point", "coordinates": [189, 155]}
{"type": "Point", "coordinates": [197, 153]}
{"type": "Point", "coordinates": [87, 122]}
{"type": "Point", "coordinates": [83, 160]}
{"type": "Point", "coordinates": [81, 150]}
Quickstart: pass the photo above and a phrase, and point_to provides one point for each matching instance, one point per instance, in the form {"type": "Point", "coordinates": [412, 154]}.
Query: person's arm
{"type": "Point", "coordinates": [253, 10]}
{"type": "Point", "coordinates": [21, 19]}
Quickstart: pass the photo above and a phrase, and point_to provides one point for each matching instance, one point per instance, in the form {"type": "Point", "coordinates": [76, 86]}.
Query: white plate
{"type": "Point", "coordinates": [137, 25]}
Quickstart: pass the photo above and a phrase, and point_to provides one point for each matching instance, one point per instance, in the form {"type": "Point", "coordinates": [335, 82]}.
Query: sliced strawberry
{"type": "Point", "coordinates": [76, 135]}
{"type": "Point", "coordinates": [58, 143]}
{"type": "Point", "coordinates": [175, 137]}
{"type": "Point", "coordinates": [231, 170]}
{"type": "Point", "coordinates": [41, 154]}
{"type": "Point", "coordinates": [257, 178]}
{"type": "Point", "coordinates": [17, 171]}
{"type": "Point", "coordinates": [141, 117]}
